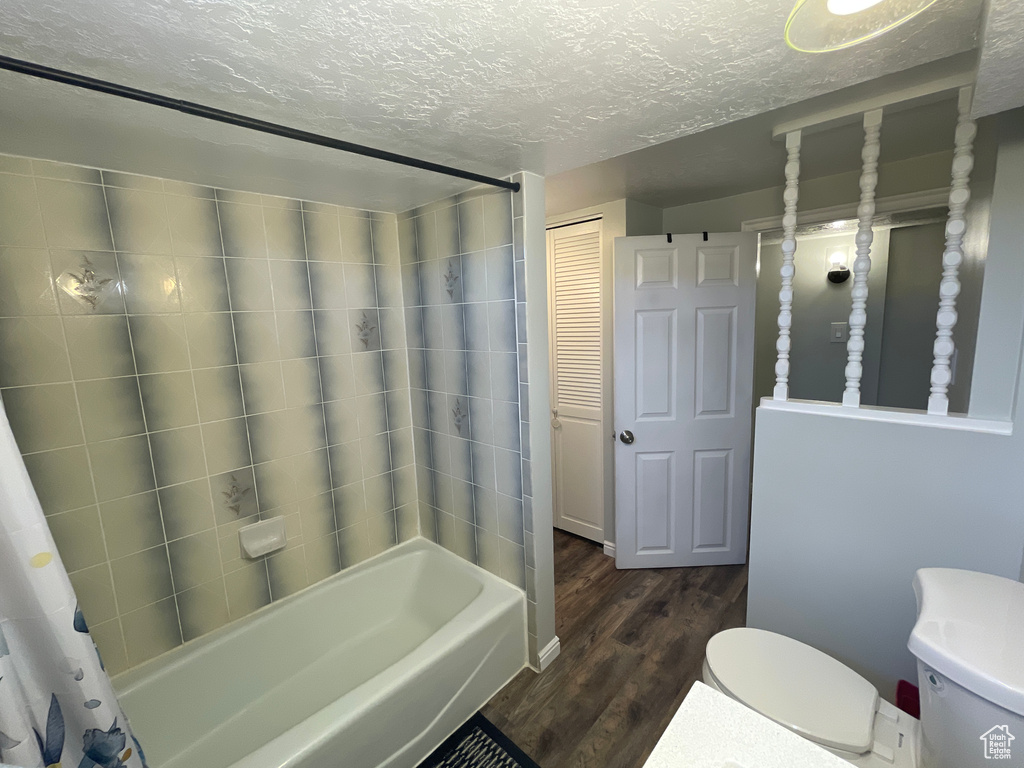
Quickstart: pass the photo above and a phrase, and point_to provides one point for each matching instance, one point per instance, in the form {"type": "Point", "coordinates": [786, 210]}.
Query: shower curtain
{"type": "Point", "coordinates": [57, 705]}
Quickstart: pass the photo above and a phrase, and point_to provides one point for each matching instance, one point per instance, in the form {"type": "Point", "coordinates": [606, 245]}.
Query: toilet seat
{"type": "Point", "coordinates": [795, 685]}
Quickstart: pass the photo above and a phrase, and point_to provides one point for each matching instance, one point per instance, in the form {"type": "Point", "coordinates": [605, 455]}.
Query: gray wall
{"type": "Point", "coordinates": [816, 364]}
{"type": "Point", "coordinates": [845, 510]}
{"type": "Point", "coordinates": [1002, 312]}
{"type": "Point", "coordinates": [908, 329]}
{"type": "Point", "coordinates": [727, 214]}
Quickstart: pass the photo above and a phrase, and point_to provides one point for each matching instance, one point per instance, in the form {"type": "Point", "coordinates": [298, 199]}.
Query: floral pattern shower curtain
{"type": "Point", "coordinates": [57, 705]}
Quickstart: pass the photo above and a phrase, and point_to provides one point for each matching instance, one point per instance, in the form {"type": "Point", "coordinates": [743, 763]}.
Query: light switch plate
{"type": "Point", "coordinates": [839, 333]}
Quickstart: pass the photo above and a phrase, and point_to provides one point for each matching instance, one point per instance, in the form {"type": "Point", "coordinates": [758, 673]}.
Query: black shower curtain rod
{"type": "Point", "coordinates": [232, 118]}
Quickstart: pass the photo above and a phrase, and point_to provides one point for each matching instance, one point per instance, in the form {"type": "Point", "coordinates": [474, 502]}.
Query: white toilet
{"type": "Point", "coordinates": [969, 643]}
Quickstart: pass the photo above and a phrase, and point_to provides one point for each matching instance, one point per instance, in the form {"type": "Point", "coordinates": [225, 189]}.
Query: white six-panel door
{"type": "Point", "coordinates": [683, 362]}
{"type": "Point", "coordinates": [578, 427]}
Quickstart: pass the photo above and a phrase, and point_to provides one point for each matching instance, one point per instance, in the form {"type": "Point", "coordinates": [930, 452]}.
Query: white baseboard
{"type": "Point", "coordinates": [609, 548]}
{"type": "Point", "coordinates": [549, 653]}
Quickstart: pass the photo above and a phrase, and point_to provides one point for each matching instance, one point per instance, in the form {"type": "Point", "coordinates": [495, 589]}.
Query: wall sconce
{"type": "Point", "coordinates": [837, 259]}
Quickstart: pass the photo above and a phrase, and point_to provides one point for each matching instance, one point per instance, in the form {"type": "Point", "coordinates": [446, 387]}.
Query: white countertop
{"type": "Point", "coordinates": [710, 730]}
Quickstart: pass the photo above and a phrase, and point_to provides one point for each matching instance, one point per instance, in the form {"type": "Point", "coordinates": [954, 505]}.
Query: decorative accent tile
{"type": "Point", "coordinates": [94, 290]}
{"type": "Point", "coordinates": [367, 332]}
{"type": "Point", "coordinates": [452, 284]}
{"type": "Point", "coordinates": [234, 495]}
{"type": "Point", "coordinates": [460, 417]}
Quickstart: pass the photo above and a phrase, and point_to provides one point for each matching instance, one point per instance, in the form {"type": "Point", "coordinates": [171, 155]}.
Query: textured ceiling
{"type": "Point", "coordinates": [1001, 65]}
{"type": "Point", "coordinates": [742, 156]}
{"type": "Point", "coordinates": [492, 86]}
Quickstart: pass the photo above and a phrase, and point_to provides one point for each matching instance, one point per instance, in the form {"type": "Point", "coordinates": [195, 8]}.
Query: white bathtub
{"type": "Point", "coordinates": [375, 666]}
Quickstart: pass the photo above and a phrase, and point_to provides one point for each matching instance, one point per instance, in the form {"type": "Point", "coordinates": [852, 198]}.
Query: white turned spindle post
{"type": "Point", "coordinates": [952, 257]}
{"type": "Point", "coordinates": [862, 264]}
{"type": "Point", "coordinates": [788, 251]}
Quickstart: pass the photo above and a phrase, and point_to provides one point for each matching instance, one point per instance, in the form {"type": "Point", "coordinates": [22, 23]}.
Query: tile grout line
{"type": "Point", "coordinates": [199, 419]}
{"type": "Point", "coordinates": [138, 389]}
{"type": "Point", "coordinates": [81, 422]}
{"type": "Point", "coordinates": [320, 381]}
{"type": "Point", "coordinates": [383, 372]}
{"type": "Point", "coordinates": [241, 391]}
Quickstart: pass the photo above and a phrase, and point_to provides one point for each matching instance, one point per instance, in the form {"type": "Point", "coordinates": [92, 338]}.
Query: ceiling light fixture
{"type": "Point", "coordinates": [817, 26]}
{"type": "Point", "coordinates": [846, 7]}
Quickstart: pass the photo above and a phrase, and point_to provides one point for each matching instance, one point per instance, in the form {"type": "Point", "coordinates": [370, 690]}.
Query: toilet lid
{"type": "Point", "coordinates": [795, 685]}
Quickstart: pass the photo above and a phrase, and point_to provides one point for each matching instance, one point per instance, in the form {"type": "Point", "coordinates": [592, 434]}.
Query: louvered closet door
{"type": "Point", "coordinates": [577, 378]}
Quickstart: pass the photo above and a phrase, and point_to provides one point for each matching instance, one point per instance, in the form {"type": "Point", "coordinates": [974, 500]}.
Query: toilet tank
{"type": "Point", "coordinates": [969, 644]}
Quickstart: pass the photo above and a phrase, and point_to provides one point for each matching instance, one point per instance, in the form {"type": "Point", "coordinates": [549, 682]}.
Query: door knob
{"type": "Point", "coordinates": [627, 437]}
{"type": "Point", "coordinates": [556, 423]}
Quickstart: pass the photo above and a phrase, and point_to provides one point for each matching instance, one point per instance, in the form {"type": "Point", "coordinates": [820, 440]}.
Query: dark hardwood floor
{"type": "Point", "coordinates": [632, 646]}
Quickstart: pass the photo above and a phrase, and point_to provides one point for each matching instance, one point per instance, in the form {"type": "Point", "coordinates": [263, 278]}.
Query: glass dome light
{"type": "Point", "coordinates": [817, 26]}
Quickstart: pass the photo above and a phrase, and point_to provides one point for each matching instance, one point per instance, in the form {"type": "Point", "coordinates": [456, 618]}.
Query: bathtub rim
{"type": "Point", "coordinates": [127, 681]}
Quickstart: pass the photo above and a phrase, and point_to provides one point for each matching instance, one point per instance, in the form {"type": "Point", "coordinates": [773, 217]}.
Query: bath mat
{"type": "Point", "coordinates": [478, 744]}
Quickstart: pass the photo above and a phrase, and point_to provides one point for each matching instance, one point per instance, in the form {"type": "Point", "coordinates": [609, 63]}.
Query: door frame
{"type": "Point", "coordinates": [710, 298]}
{"type": "Point", "coordinates": [613, 224]}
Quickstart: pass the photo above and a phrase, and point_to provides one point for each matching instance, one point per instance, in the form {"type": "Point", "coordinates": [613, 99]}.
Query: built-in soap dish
{"type": "Point", "coordinates": [263, 537]}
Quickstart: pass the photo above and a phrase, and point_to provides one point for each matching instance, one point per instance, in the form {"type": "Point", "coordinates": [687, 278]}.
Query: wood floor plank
{"type": "Point", "coordinates": [632, 645]}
